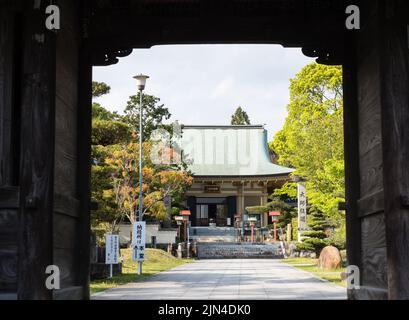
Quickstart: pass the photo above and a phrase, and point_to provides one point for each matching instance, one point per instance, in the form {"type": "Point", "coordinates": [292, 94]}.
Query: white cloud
{"type": "Point", "coordinates": [203, 84]}
{"type": "Point", "coordinates": [223, 88]}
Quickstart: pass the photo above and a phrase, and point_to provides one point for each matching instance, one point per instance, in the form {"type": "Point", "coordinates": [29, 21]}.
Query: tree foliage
{"type": "Point", "coordinates": [276, 204]}
{"type": "Point", "coordinates": [240, 117]}
{"type": "Point", "coordinates": [154, 114]}
{"type": "Point", "coordinates": [315, 239]}
{"type": "Point", "coordinates": [159, 182]}
{"type": "Point", "coordinates": [105, 132]}
{"type": "Point", "coordinates": [312, 137]}
{"type": "Point", "coordinates": [99, 112]}
{"type": "Point", "coordinates": [99, 89]}
{"type": "Point", "coordinates": [115, 170]}
{"type": "Point", "coordinates": [287, 212]}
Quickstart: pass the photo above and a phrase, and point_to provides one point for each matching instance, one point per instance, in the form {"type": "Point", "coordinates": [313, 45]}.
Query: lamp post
{"type": "Point", "coordinates": [141, 82]}
{"type": "Point", "coordinates": [274, 216]}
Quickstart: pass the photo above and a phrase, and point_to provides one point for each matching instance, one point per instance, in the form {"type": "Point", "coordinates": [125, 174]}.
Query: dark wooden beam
{"type": "Point", "coordinates": [395, 134]}
{"type": "Point", "coordinates": [37, 154]}
{"type": "Point", "coordinates": [142, 24]}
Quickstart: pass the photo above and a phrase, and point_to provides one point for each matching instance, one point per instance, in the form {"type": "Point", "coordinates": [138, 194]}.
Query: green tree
{"type": "Point", "coordinates": [240, 117]}
{"type": "Point", "coordinates": [287, 212]}
{"type": "Point", "coordinates": [99, 112]}
{"type": "Point", "coordinates": [99, 89]}
{"type": "Point", "coordinates": [114, 180]}
{"type": "Point", "coordinates": [315, 239]}
{"type": "Point", "coordinates": [154, 114]}
{"type": "Point", "coordinates": [312, 138]}
{"type": "Point", "coordinates": [107, 132]}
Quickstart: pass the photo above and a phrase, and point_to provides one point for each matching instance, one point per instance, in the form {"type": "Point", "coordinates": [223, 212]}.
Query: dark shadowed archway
{"type": "Point", "coordinates": [45, 121]}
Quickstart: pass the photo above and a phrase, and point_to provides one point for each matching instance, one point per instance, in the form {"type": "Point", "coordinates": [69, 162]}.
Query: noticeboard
{"type": "Point", "coordinates": [111, 249]}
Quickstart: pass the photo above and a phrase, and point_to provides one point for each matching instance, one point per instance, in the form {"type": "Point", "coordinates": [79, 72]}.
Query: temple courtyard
{"type": "Point", "coordinates": [235, 279]}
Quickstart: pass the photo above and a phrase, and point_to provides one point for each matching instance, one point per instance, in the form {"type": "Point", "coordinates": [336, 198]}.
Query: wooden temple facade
{"type": "Point", "coordinates": [45, 121]}
{"type": "Point", "coordinates": [232, 170]}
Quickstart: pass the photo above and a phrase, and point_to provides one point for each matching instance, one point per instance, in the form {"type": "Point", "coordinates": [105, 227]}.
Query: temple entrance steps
{"type": "Point", "coordinates": [212, 234]}
{"type": "Point", "coordinates": [239, 251]}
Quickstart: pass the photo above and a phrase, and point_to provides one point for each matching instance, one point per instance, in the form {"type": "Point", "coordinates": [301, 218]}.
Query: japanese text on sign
{"type": "Point", "coordinates": [302, 208]}
{"type": "Point", "coordinates": [111, 249]}
{"type": "Point", "coordinates": [138, 241]}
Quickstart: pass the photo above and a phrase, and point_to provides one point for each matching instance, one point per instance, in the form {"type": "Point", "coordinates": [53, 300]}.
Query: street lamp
{"type": "Point", "coordinates": [141, 82]}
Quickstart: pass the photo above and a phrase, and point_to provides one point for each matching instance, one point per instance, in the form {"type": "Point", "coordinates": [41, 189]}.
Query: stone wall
{"type": "Point", "coordinates": [238, 251]}
{"type": "Point", "coordinates": [163, 236]}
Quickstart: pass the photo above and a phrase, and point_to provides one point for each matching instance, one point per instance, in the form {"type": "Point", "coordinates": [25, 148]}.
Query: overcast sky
{"type": "Point", "coordinates": [204, 84]}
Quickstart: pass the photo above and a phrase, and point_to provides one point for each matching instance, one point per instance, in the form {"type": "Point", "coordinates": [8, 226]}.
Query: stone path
{"type": "Point", "coordinates": [229, 279]}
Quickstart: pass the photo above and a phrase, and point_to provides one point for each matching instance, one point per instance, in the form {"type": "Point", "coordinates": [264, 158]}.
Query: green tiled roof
{"type": "Point", "coordinates": [229, 151]}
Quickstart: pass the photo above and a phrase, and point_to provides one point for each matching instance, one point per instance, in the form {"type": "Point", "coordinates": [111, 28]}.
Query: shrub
{"type": "Point", "coordinates": [315, 239]}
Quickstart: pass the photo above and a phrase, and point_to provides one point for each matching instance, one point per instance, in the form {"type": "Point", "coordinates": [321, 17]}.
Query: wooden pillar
{"type": "Point", "coordinates": [37, 154]}
{"type": "Point", "coordinates": [9, 145]}
{"type": "Point", "coordinates": [84, 167]}
{"type": "Point", "coordinates": [263, 201]}
{"type": "Point", "coordinates": [352, 173]}
{"type": "Point", "coordinates": [366, 221]}
{"type": "Point", "coordinates": [395, 134]}
{"type": "Point", "coordinates": [240, 199]}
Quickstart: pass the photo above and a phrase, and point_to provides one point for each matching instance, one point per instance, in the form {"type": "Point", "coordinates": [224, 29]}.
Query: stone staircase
{"type": "Point", "coordinates": [212, 234]}
{"type": "Point", "coordinates": [239, 251]}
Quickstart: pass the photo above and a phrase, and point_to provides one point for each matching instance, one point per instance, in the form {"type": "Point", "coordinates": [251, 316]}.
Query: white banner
{"type": "Point", "coordinates": [111, 249]}
{"type": "Point", "coordinates": [302, 208]}
{"type": "Point", "coordinates": [138, 241]}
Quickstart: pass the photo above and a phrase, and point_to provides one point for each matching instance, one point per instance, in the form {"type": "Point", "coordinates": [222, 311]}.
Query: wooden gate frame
{"type": "Point", "coordinates": [45, 121]}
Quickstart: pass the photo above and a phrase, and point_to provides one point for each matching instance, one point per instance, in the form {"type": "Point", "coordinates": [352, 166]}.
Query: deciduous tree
{"type": "Point", "coordinates": [312, 138]}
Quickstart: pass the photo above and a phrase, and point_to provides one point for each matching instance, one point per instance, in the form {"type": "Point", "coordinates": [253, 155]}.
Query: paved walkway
{"type": "Point", "coordinates": [229, 279]}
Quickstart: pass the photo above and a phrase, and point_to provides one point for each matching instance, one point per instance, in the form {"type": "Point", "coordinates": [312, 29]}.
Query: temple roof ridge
{"type": "Point", "coordinates": [229, 151]}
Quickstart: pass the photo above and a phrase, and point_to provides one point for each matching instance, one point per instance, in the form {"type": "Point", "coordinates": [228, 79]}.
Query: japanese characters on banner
{"type": "Point", "coordinates": [302, 208]}
{"type": "Point", "coordinates": [111, 249]}
{"type": "Point", "coordinates": [138, 241]}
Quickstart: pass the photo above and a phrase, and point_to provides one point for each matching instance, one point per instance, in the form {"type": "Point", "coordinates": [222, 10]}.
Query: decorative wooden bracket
{"type": "Point", "coordinates": [110, 57]}
{"type": "Point", "coordinates": [328, 56]}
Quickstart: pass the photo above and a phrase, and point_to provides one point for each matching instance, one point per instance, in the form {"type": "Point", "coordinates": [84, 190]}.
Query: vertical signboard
{"type": "Point", "coordinates": [111, 249]}
{"type": "Point", "coordinates": [138, 241]}
{"type": "Point", "coordinates": [302, 209]}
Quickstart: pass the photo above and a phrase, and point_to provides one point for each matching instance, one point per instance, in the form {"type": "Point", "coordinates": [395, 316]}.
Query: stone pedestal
{"type": "Point", "coordinates": [180, 253]}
